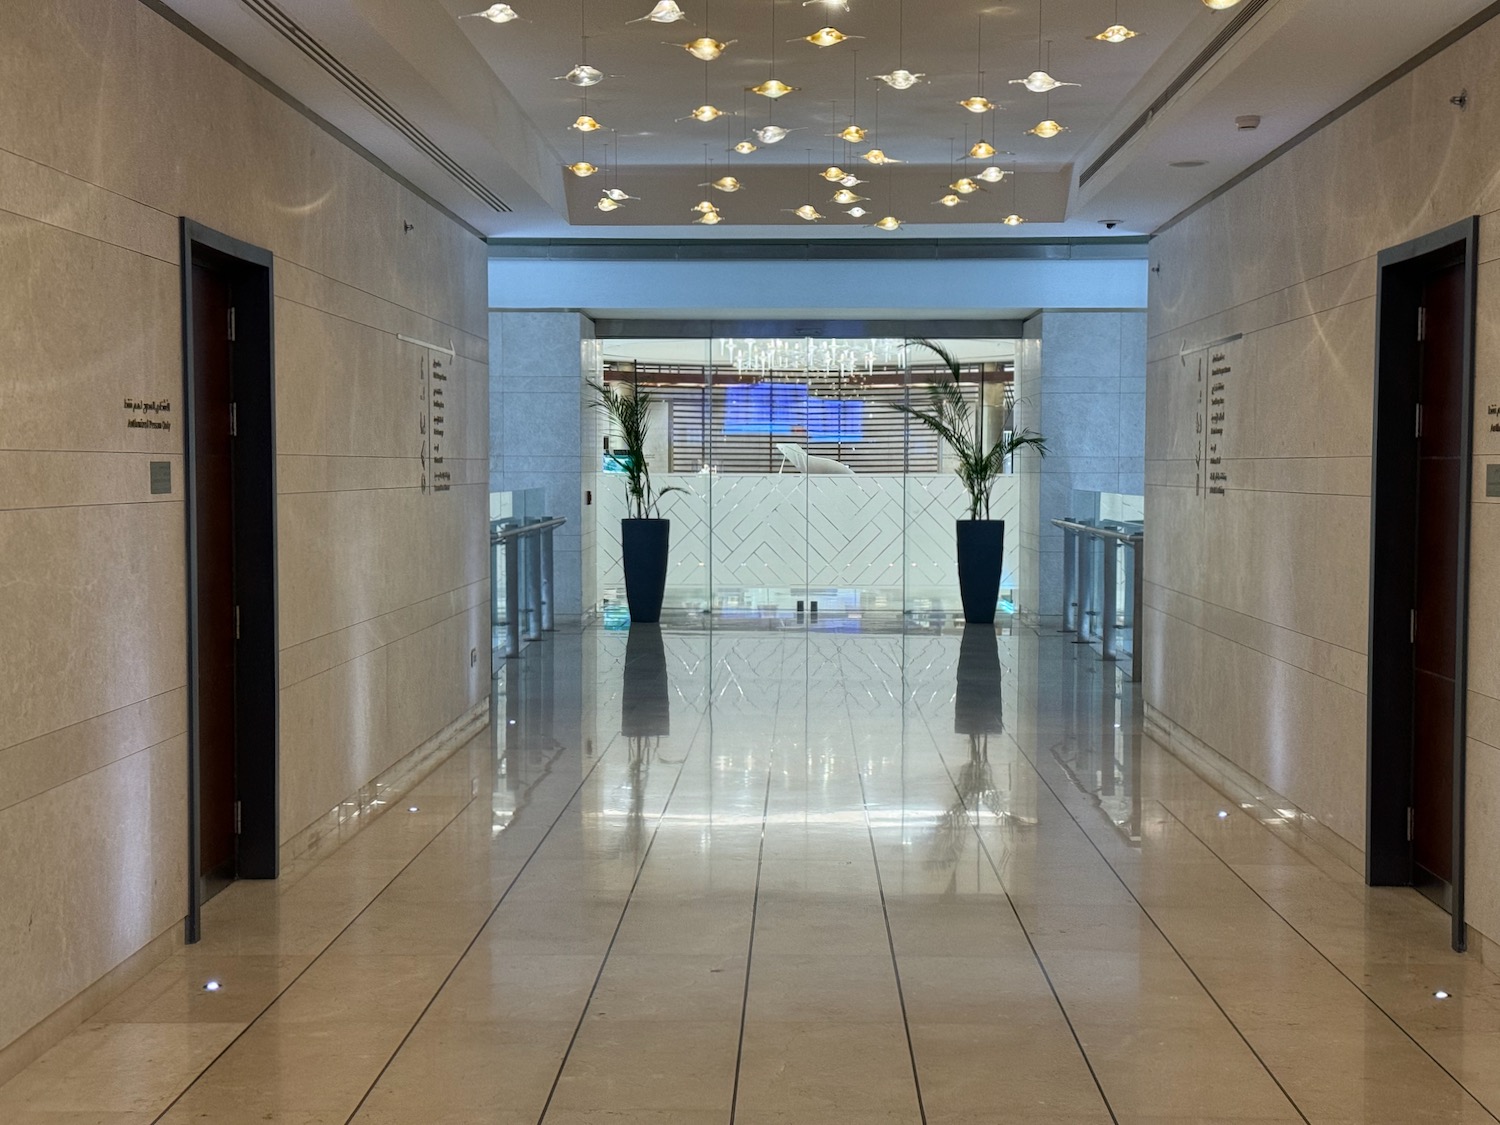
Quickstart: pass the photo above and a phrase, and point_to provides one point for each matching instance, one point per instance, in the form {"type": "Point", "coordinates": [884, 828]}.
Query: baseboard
{"type": "Point", "coordinates": [1300, 829]}
{"type": "Point", "coordinates": [32, 1044]}
{"type": "Point", "coordinates": [357, 810]}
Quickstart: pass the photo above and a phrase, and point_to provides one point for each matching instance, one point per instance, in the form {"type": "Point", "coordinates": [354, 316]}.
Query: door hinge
{"type": "Point", "coordinates": [1419, 419]}
{"type": "Point", "coordinates": [231, 325]}
{"type": "Point", "coordinates": [1411, 824]}
{"type": "Point", "coordinates": [1413, 626]}
{"type": "Point", "coordinates": [238, 820]}
{"type": "Point", "coordinates": [234, 419]}
{"type": "Point", "coordinates": [1421, 325]}
{"type": "Point", "coordinates": [236, 622]}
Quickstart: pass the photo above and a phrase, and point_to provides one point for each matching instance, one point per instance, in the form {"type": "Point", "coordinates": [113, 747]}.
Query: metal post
{"type": "Point", "coordinates": [1085, 553]}
{"type": "Point", "coordinates": [546, 579]}
{"type": "Point", "coordinates": [495, 618]}
{"type": "Point", "coordinates": [1111, 594]}
{"type": "Point", "coordinates": [1137, 623]}
{"type": "Point", "coordinates": [533, 587]}
{"type": "Point", "coordinates": [1071, 609]}
{"type": "Point", "coordinates": [512, 597]}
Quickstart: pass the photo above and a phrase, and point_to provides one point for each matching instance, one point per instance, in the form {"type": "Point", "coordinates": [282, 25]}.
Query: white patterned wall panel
{"type": "Point", "coordinates": [889, 536]}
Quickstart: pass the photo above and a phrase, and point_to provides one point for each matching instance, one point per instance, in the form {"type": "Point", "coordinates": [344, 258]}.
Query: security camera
{"type": "Point", "coordinates": [1110, 224]}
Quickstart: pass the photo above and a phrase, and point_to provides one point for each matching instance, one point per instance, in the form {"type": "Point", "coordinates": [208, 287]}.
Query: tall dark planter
{"type": "Point", "coordinates": [643, 544]}
{"type": "Point", "coordinates": [981, 550]}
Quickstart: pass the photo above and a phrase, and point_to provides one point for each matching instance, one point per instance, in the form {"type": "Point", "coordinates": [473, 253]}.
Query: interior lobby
{"type": "Point", "coordinates": [359, 762]}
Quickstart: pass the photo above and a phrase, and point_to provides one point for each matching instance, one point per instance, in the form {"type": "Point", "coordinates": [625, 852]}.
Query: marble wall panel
{"type": "Point", "coordinates": [1279, 567]}
{"type": "Point", "coordinates": [112, 124]}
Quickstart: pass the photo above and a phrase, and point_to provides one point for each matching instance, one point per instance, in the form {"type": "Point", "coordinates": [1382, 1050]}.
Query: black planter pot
{"type": "Point", "coordinates": [981, 550]}
{"type": "Point", "coordinates": [643, 545]}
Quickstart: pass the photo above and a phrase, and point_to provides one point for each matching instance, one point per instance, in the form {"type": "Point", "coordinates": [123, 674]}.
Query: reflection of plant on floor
{"type": "Point", "coordinates": [977, 794]}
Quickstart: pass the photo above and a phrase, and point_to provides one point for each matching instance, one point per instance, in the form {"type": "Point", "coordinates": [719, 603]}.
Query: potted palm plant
{"type": "Point", "coordinates": [644, 535]}
{"type": "Point", "coordinates": [981, 540]}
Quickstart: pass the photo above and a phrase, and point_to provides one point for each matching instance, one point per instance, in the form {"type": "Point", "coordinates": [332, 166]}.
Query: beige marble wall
{"type": "Point", "coordinates": [1257, 600]}
{"type": "Point", "coordinates": [113, 124]}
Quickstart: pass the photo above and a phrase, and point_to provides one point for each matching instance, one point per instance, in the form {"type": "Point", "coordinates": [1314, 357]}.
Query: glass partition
{"type": "Point", "coordinates": [802, 486]}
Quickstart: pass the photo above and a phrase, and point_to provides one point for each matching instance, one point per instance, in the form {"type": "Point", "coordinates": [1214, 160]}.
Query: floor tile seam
{"type": "Point", "coordinates": [1026, 933]}
{"type": "Point", "coordinates": [588, 1002]}
{"type": "Point", "coordinates": [1163, 934]}
{"type": "Point", "coordinates": [885, 913]}
{"type": "Point", "coordinates": [480, 928]}
{"type": "Point", "coordinates": [437, 832]}
{"type": "Point", "coordinates": [1335, 966]}
{"type": "Point", "coordinates": [739, 1050]}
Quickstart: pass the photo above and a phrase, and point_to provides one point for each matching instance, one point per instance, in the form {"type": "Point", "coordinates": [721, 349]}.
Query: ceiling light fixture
{"type": "Point", "coordinates": [1047, 129]}
{"type": "Point", "coordinates": [991, 175]}
{"type": "Point", "coordinates": [1116, 32]}
{"type": "Point", "coordinates": [704, 113]}
{"type": "Point", "coordinates": [773, 88]}
{"type": "Point", "coordinates": [826, 37]}
{"type": "Point", "coordinates": [495, 13]}
{"type": "Point", "coordinates": [745, 148]}
{"type": "Point", "coordinates": [1220, 5]}
{"type": "Point", "coordinates": [705, 48]}
{"type": "Point", "coordinates": [709, 219]}
{"type": "Point", "coordinates": [771, 134]}
{"type": "Point", "coordinates": [582, 169]}
{"type": "Point", "coordinates": [605, 203]}
{"type": "Point", "coordinates": [978, 103]}
{"type": "Point", "coordinates": [852, 133]}
{"type": "Point", "coordinates": [666, 11]}
{"type": "Point", "coordinates": [982, 150]}
{"type": "Point", "coordinates": [857, 212]}
{"type": "Point", "coordinates": [844, 195]}
{"type": "Point", "coordinates": [724, 183]}
{"type": "Point", "coordinates": [878, 156]}
{"type": "Point", "coordinates": [581, 75]}
{"type": "Point", "coordinates": [949, 200]}
{"type": "Point", "coordinates": [1013, 220]}
{"type": "Point", "coordinates": [851, 181]}
{"type": "Point", "coordinates": [1039, 82]}
{"type": "Point", "coordinates": [618, 196]}
{"type": "Point", "coordinates": [832, 174]}
{"type": "Point", "coordinates": [965, 186]}
{"type": "Point", "coordinates": [890, 222]}
{"type": "Point", "coordinates": [901, 78]}
{"type": "Point", "coordinates": [844, 4]}
{"type": "Point", "coordinates": [585, 124]}
{"type": "Point", "coordinates": [807, 212]}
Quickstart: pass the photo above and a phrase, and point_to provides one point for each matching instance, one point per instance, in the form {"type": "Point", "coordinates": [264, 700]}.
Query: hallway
{"type": "Point", "coordinates": [805, 875]}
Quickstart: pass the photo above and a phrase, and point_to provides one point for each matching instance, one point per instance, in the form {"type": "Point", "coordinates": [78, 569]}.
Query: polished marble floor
{"type": "Point", "coordinates": [828, 875]}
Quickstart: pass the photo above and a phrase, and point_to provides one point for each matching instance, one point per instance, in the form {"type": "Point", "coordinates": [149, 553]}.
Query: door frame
{"type": "Point", "coordinates": [1393, 497]}
{"type": "Point", "coordinates": [257, 751]}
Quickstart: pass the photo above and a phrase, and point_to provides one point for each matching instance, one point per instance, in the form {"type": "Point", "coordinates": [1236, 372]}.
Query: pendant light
{"type": "Point", "coordinates": [1013, 219]}
{"type": "Point", "coordinates": [1116, 32]}
{"type": "Point", "coordinates": [495, 13]}
{"type": "Point", "coordinates": [666, 11]}
{"type": "Point", "coordinates": [708, 211]}
{"type": "Point", "coordinates": [826, 37]}
{"type": "Point", "coordinates": [1047, 127]}
{"type": "Point", "coordinates": [1039, 81]}
{"type": "Point", "coordinates": [889, 222]}
{"type": "Point", "coordinates": [900, 78]}
{"type": "Point", "coordinates": [772, 87]}
{"type": "Point", "coordinates": [1220, 5]}
{"type": "Point", "coordinates": [807, 212]}
{"type": "Point", "coordinates": [853, 133]}
{"type": "Point", "coordinates": [950, 199]}
{"type": "Point", "coordinates": [613, 198]}
{"type": "Point", "coordinates": [978, 103]}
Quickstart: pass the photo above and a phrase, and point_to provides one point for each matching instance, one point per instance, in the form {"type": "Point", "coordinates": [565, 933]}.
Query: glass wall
{"type": "Point", "coordinates": [796, 480]}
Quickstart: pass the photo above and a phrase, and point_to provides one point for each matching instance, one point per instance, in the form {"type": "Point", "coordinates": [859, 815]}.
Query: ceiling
{"type": "Point", "coordinates": [471, 112]}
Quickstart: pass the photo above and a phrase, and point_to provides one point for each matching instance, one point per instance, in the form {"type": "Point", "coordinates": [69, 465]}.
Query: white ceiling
{"type": "Point", "coordinates": [483, 98]}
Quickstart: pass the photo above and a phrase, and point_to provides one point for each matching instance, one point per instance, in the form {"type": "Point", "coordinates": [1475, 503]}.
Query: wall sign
{"type": "Point", "coordinates": [432, 413]}
{"type": "Point", "coordinates": [146, 413]}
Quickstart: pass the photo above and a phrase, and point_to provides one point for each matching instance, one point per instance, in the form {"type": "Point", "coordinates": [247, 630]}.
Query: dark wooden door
{"type": "Point", "coordinates": [1440, 480]}
{"type": "Point", "coordinates": [213, 514]}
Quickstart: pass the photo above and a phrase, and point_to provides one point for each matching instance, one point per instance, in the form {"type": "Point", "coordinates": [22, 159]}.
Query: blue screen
{"type": "Point", "coordinates": [786, 409]}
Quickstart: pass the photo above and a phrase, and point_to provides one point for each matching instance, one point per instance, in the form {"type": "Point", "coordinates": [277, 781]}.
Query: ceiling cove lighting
{"type": "Point", "coordinates": [495, 13]}
{"type": "Point", "coordinates": [666, 11]}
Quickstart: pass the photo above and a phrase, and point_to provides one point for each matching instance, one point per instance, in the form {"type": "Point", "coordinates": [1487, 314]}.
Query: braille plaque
{"type": "Point", "coordinates": [1492, 480]}
{"type": "Point", "coordinates": [161, 477]}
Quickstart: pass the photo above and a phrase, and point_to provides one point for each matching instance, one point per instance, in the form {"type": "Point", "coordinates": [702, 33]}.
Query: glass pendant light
{"type": "Point", "coordinates": [844, 4]}
{"type": "Point", "coordinates": [1116, 32]}
{"type": "Point", "coordinates": [852, 133]}
{"type": "Point", "coordinates": [857, 212]}
{"type": "Point", "coordinates": [878, 156]}
{"type": "Point", "coordinates": [807, 212]}
{"type": "Point", "coordinates": [585, 124]}
{"type": "Point", "coordinates": [982, 150]}
{"type": "Point", "coordinates": [605, 203]}
{"type": "Point", "coordinates": [1220, 5]}
{"type": "Point", "coordinates": [704, 113]}
{"type": "Point", "coordinates": [582, 75]}
{"type": "Point", "coordinates": [851, 181]}
{"type": "Point", "coordinates": [582, 169]}
{"type": "Point", "coordinates": [991, 175]}
{"type": "Point", "coordinates": [773, 88]}
{"type": "Point", "coordinates": [495, 13]}
{"type": "Point", "coordinates": [949, 200]}
{"type": "Point", "coordinates": [965, 186]}
{"type": "Point", "coordinates": [890, 222]}
{"type": "Point", "coordinates": [832, 174]}
{"type": "Point", "coordinates": [978, 103]}
{"type": "Point", "coordinates": [844, 195]}
{"type": "Point", "coordinates": [704, 207]}
{"type": "Point", "coordinates": [745, 148]}
{"type": "Point", "coordinates": [1047, 129]}
{"type": "Point", "coordinates": [618, 196]}
{"type": "Point", "coordinates": [771, 134]}
{"type": "Point", "coordinates": [1013, 220]}
{"type": "Point", "coordinates": [725, 183]}
{"type": "Point", "coordinates": [901, 78]}
{"type": "Point", "coordinates": [666, 11]}
{"type": "Point", "coordinates": [709, 219]}
{"type": "Point", "coordinates": [706, 48]}
{"type": "Point", "coordinates": [1039, 81]}
{"type": "Point", "coordinates": [826, 37]}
